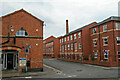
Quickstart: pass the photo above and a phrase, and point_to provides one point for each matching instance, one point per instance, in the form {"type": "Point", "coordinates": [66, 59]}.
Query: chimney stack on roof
{"type": "Point", "coordinates": [67, 27]}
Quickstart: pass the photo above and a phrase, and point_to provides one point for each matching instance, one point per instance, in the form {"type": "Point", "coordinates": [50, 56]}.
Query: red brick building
{"type": "Point", "coordinates": [95, 43]}
{"type": "Point", "coordinates": [76, 44]}
{"type": "Point", "coordinates": [105, 41]}
{"type": "Point", "coordinates": [21, 33]}
{"type": "Point", "coordinates": [50, 47]}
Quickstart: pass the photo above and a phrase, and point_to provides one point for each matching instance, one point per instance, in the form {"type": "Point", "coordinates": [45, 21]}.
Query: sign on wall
{"type": "Point", "coordinates": [105, 52]}
{"type": "Point", "coordinates": [22, 62]}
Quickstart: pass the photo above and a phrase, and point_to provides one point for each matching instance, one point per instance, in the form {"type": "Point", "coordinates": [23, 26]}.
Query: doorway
{"type": "Point", "coordinates": [9, 61]}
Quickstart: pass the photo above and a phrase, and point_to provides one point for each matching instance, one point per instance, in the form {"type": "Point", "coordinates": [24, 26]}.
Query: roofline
{"type": "Point", "coordinates": [112, 18]}
{"type": "Point", "coordinates": [77, 30]}
{"type": "Point", "coordinates": [49, 37]}
{"type": "Point", "coordinates": [51, 41]}
{"type": "Point", "coordinates": [23, 11]}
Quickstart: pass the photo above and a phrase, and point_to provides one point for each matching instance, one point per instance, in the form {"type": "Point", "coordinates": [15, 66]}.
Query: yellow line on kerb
{"type": "Point", "coordinates": [56, 70]}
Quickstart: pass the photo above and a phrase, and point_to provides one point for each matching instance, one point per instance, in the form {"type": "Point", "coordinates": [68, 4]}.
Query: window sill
{"type": "Point", "coordinates": [104, 31]}
{"type": "Point", "coordinates": [105, 45]}
{"type": "Point", "coordinates": [118, 44]}
{"type": "Point", "coordinates": [94, 33]}
{"type": "Point", "coordinates": [95, 46]}
{"type": "Point", "coordinates": [118, 29]}
{"type": "Point", "coordinates": [106, 58]}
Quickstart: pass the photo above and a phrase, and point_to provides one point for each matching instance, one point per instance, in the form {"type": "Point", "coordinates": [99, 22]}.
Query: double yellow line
{"type": "Point", "coordinates": [56, 70]}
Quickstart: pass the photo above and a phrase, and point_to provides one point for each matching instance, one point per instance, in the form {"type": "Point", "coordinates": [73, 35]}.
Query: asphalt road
{"type": "Point", "coordinates": [59, 69]}
{"type": "Point", "coordinates": [77, 70]}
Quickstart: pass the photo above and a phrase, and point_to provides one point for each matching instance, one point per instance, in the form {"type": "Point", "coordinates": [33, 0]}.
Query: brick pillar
{"type": "Point", "coordinates": [71, 56]}
{"type": "Point", "coordinates": [89, 58]}
{"type": "Point", "coordinates": [98, 58]}
{"type": "Point", "coordinates": [67, 56]}
{"type": "Point", "coordinates": [117, 60]}
{"type": "Point", "coordinates": [82, 58]}
{"type": "Point", "coordinates": [110, 59]}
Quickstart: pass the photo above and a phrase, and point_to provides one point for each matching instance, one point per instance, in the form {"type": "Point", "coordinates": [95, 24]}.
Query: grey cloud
{"type": "Point", "coordinates": [55, 12]}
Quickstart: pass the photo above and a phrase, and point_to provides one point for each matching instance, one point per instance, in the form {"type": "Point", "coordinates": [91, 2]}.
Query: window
{"type": "Point", "coordinates": [105, 54]}
{"type": "Point", "coordinates": [68, 47]}
{"type": "Point", "coordinates": [75, 47]}
{"type": "Point", "coordinates": [65, 46]}
{"type": "Point", "coordinates": [80, 56]}
{"type": "Point", "coordinates": [94, 31]}
{"type": "Point", "coordinates": [117, 26]}
{"type": "Point", "coordinates": [62, 55]}
{"type": "Point", "coordinates": [95, 54]}
{"type": "Point", "coordinates": [71, 37]}
{"type": "Point", "coordinates": [60, 48]}
{"type": "Point", "coordinates": [69, 56]}
{"type": "Point", "coordinates": [95, 43]}
{"type": "Point", "coordinates": [105, 40]}
{"type": "Point", "coordinates": [71, 46]}
{"type": "Point", "coordinates": [65, 39]}
{"type": "Point", "coordinates": [21, 32]}
{"type": "Point", "coordinates": [51, 48]}
{"type": "Point", "coordinates": [118, 40]}
{"type": "Point", "coordinates": [74, 36]}
{"type": "Point", "coordinates": [75, 56]}
{"type": "Point", "coordinates": [68, 38]}
{"type": "Point", "coordinates": [104, 28]}
{"type": "Point", "coordinates": [118, 54]}
{"type": "Point", "coordinates": [66, 56]}
{"type": "Point", "coordinates": [60, 40]}
{"type": "Point", "coordinates": [79, 35]}
{"type": "Point", "coordinates": [79, 45]}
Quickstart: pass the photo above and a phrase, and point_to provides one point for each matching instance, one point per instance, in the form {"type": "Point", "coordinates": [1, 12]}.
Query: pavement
{"type": "Point", "coordinates": [14, 74]}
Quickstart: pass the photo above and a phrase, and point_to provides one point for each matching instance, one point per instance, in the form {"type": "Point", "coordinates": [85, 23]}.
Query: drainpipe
{"type": "Point", "coordinates": [7, 40]}
{"type": "Point", "coordinates": [99, 42]}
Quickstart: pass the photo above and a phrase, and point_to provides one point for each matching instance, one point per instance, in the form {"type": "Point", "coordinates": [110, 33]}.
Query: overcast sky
{"type": "Point", "coordinates": [55, 12]}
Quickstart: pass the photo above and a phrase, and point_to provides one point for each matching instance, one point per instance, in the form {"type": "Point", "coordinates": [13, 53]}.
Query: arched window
{"type": "Point", "coordinates": [21, 32]}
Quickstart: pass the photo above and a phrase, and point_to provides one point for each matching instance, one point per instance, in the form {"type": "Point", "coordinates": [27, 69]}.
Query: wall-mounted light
{"type": "Point", "coordinates": [36, 29]}
{"type": "Point", "coordinates": [12, 30]}
{"type": "Point", "coordinates": [37, 44]}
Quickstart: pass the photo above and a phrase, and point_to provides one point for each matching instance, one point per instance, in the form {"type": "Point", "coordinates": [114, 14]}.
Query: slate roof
{"type": "Point", "coordinates": [77, 30]}
{"type": "Point", "coordinates": [112, 18]}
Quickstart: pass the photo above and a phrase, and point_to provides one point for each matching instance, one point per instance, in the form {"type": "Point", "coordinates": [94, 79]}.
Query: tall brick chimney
{"type": "Point", "coordinates": [67, 27]}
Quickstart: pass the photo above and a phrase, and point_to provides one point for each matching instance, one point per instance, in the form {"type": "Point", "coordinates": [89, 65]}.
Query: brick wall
{"type": "Point", "coordinates": [34, 27]}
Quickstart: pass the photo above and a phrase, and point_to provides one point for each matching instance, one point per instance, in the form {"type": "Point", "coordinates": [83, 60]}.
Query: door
{"type": "Point", "coordinates": [4, 60]}
{"type": "Point", "coordinates": [9, 61]}
{"type": "Point", "coordinates": [15, 60]}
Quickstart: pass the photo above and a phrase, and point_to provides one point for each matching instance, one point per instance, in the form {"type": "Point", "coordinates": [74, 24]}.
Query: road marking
{"type": "Point", "coordinates": [72, 75]}
{"type": "Point", "coordinates": [28, 77]}
{"type": "Point", "coordinates": [69, 76]}
{"type": "Point", "coordinates": [56, 70]}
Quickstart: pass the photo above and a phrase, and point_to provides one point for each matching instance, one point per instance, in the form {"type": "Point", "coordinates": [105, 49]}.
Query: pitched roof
{"type": "Point", "coordinates": [112, 18]}
{"type": "Point", "coordinates": [22, 10]}
{"type": "Point", "coordinates": [51, 40]}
